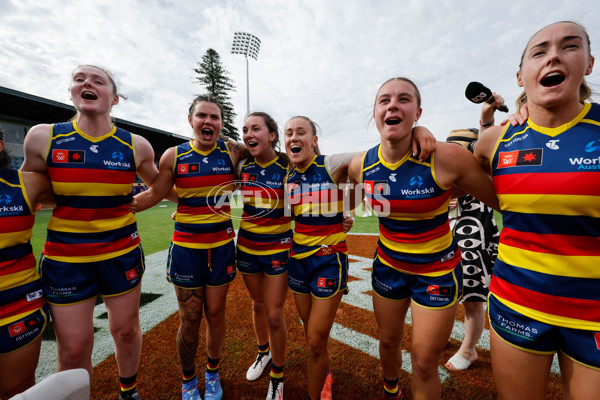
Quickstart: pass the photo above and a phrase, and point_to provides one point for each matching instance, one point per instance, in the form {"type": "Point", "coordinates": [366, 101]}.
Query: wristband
{"type": "Point", "coordinates": [485, 124]}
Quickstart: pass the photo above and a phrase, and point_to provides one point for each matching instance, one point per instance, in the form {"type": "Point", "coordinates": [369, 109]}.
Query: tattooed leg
{"type": "Point", "coordinates": [191, 303]}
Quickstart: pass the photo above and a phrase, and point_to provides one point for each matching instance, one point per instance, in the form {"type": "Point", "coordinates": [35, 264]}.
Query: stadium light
{"type": "Point", "coordinates": [248, 45]}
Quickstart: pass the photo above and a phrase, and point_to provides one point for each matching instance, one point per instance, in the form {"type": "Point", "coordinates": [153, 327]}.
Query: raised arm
{"type": "Point", "coordinates": [455, 165]}
{"type": "Point", "coordinates": [485, 147]}
{"type": "Point", "coordinates": [160, 187]}
{"type": "Point", "coordinates": [238, 151]}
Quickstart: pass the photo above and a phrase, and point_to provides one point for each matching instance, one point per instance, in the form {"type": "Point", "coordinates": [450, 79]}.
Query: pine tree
{"type": "Point", "coordinates": [215, 79]}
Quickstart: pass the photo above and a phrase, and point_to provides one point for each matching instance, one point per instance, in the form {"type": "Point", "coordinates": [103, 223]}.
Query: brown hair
{"type": "Point", "coordinates": [585, 92]}
{"type": "Point", "coordinates": [400, 78]}
{"type": "Point", "coordinates": [207, 98]}
{"type": "Point", "coordinates": [271, 126]}
{"type": "Point", "coordinates": [313, 126]}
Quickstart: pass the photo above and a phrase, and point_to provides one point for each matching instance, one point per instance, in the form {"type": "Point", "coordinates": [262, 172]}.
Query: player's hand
{"type": "Point", "coordinates": [347, 223]}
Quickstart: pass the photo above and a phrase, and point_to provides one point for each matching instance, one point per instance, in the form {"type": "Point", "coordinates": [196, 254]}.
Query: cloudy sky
{"type": "Point", "coordinates": [320, 58]}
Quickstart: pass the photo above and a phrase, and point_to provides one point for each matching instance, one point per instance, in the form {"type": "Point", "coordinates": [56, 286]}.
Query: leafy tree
{"type": "Point", "coordinates": [213, 76]}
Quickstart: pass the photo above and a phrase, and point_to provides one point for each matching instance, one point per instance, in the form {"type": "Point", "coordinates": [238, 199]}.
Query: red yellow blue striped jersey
{"type": "Point", "coordinates": [548, 184]}
{"type": "Point", "coordinates": [412, 207]}
{"type": "Point", "coordinates": [92, 178]}
{"type": "Point", "coordinates": [204, 181]}
{"type": "Point", "coordinates": [318, 206]}
{"type": "Point", "coordinates": [264, 229]}
{"type": "Point", "coordinates": [20, 285]}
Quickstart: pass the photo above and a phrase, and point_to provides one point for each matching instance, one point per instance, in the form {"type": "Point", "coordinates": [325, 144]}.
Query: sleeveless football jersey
{"type": "Point", "coordinates": [204, 181]}
{"type": "Point", "coordinates": [92, 178]}
{"type": "Point", "coordinates": [548, 184]}
{"type": "Point", "coordinates": [412, 207]}
{"type": "Point", "coordinates": [318, 205]}
{"type": "Point", "coordinates": [265, 229]}
{"type": "Point", "coordinates": [20, 285]}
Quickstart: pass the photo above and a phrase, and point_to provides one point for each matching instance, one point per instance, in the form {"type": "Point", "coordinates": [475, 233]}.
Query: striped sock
{"type": "Point", "coordinates": [390, 387]}
{"type": "Point", "coordinates": [276, 372]}
{"type": "Point", "coordinates": [263, 349]}
{"type": "Point", "coordinates": [127, 385]}
{"type": "Point", "coordinates": [188, 375]}
{"type": "Point", "coordinates": [212, 365]}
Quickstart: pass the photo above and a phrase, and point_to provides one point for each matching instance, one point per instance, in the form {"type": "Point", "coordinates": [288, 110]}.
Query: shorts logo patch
{"type": "Point", "coordinates": [21, 327]}
{"type": "Point", "coordinates": [325, 283]}
{"type": "Point", "coordinates": [597, 337]}
{"type": "Point", "coordinates": [133, 273]}
{"type": "Point", "coordinates": [17, 329]}
{"type": "Point", "coordinates": [230, 270]}
{"type": "Point", "coordinates": [439, 290]}
{"type": "Point", "coordinates": [278, 263]}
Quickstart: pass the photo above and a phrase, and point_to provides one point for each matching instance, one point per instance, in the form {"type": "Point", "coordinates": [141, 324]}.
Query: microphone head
{"type": "Point", "coordinates": [477, 93]}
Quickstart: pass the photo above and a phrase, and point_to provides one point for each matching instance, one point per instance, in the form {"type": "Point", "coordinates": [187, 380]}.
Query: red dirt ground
{"type": "Point", "coordinates": [356, 374]}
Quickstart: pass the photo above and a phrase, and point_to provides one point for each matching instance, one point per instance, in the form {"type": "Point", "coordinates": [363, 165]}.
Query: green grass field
{"type": "Point", "coordinates": [156, 226]}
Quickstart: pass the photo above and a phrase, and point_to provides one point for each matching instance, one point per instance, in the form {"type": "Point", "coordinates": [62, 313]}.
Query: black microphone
{"type": "Point", "coordinates": [478, 93]}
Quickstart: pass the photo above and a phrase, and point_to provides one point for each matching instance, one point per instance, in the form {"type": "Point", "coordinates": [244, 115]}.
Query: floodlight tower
{"type": "Point", "coordinates": [248, 45]}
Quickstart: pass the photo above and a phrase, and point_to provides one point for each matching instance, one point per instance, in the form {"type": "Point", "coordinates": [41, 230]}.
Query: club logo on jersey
{"type": "Point", "coordinates": [552, 144]}
{"type": "Point", "coordinates": [133, 273]}
{"type": "Point", "coordinates": [592, 146]}
{"type": "Point", "coordinates": [377, 187]}
{"type": "Point", "coordinates": [325, 283]}
{"type": "Point", "coordinates": [520, 158]}
{"type": "Point", "coordinates": [68, 156]}
{"type": "Point", "coordinates": [249, 177]}
{"type": "Point", "coordinates": [439, 290]}
{"type": "Point", "coordinates": [205, 160]}
{"type": "Point", "coordinates": [262, 172]}
{"type": "Point", "coordinates": [188, 168]}
{"type": "Point", "coordinates": [416, 181]}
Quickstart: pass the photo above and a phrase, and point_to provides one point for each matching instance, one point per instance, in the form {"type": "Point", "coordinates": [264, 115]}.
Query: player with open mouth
{"type": "Point", "coordinates": [417, 262]}
{"type": "Point", "coordinates": [201, 260]}
{"type": "Point", "coordinates": [543, 294]}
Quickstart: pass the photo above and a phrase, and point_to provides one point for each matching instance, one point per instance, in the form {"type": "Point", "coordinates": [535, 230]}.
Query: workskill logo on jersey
{"type": "Point", "coordinates": [249, 177]}
{"type": "Point", "coordinates": [68, 156]}
{"type": "Point", "coordinates": [188, 168]}
{"type": "Point", "coordinates": [376, 187]}
{"type": "Point", "coordinates": [439, 290]}
{"type": "Point", "coordinates": [520, 158]}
